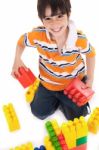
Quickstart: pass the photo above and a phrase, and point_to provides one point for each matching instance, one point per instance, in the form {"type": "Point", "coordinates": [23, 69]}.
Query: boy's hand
{"type": "Point", "coordinates": [16, 65]}
{"type": "Point", "coordinates": [89, 83]}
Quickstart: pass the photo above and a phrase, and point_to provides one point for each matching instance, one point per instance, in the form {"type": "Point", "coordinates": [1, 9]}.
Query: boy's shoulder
{"type": "Point", "coordinates": [81, 39]}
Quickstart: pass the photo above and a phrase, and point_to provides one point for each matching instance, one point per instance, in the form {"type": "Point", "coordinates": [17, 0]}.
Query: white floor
{"type": "Point", "coordinates": [15, 19]}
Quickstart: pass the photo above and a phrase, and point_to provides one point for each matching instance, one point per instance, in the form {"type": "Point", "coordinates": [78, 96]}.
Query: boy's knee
{"type": "Point", "coordinates": [37, 113]}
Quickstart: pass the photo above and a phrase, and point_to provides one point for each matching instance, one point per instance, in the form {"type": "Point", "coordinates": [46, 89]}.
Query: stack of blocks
{"type": "Point", "coordinates": [31, 91]}
{"type": "Point", "coordinates": [11, 117]}
{"type": "Point", "coordinates": [27, 146]}
{"type": "Point", "coordinates": [93, 121]}
{"type": "Point", "coordinates": [71, 136]}
{"type": "Point", "coordinates": [78, 92]}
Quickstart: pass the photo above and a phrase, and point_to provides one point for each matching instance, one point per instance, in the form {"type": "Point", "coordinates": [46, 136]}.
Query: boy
{"type": "Point", "coordinates": [60, 47]}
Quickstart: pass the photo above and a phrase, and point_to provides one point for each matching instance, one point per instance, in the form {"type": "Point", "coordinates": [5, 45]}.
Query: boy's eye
{"type": "Point", "coordinates": [60, 16]}
{"type": "Point", "coordinates": [47, 18]}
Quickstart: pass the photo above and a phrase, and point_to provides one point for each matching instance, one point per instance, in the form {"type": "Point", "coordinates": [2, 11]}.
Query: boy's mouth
{"type": "Point", "coordinates": [56, 29]}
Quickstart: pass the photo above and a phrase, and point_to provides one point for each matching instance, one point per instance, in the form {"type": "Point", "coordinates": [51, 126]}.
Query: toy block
{"type": "Point", "coordinates": [36, 148]}
{"type": "Point", "coordinates": [93, 121]}
{"type": "Point", "coordinates": [27, 146]}
{"type": "Point", "coordinates": [11, 117]}
{"type": "Point", "coordinates": [81, 127]}
{"type": "Point", "coordinates": [59, 134]}
{"type": "Point", "coordinates": [78, 92]}
{"type": "Point", "coordinates": [56, 127]}
{"type": "Point", "coordinates": [41, 148]}
{"type": "Point", "coordinates": [69, 132]}
{"type": "Point", "coordinates": [53, 136]}
{"type": "Point", "coordinates": [48, 143]}
{"type": "Point", "coordinates": [81, 147]}
{"type": "Point", "coordinates": [81, 141]}
{"type": "Point", "coordinates": [26, 77]}
{"type": "Point", "coordinates": [62, 142]}
{"type": "Point", "coordinates": [30, 93]}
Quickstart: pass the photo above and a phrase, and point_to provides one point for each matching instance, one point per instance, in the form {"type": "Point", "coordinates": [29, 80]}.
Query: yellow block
{"type": "Point", "coordinates": [11, 117]}
{"type": "Point", "coordinates": [48, 143]}
{"type": "Point", "coordinates": [30, 93]}
{"type": "Point", "coordinates": [27, 146]}
{"type": "Point", "coordinates": [93, 121]}
{"type": "Point", "coordinates": [56, 127]}
{"type": "Point", "coordinates": [69, 132]}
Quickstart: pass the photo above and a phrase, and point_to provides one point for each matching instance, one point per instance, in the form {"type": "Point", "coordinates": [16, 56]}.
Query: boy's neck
{"type": "Point", "coordinates": [61, 38]}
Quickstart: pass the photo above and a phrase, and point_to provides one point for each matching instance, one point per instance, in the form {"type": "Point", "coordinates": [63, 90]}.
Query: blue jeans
{"type": "Point", "coordinates": [46, 102]}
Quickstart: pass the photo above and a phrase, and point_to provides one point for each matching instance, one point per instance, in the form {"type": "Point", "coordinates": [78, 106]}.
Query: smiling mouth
{"type": "Point", "coordinates": [57, 29]}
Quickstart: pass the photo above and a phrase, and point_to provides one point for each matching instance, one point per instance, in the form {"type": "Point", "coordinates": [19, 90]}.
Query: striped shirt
{"type": "Point", "coordinates": [56, 69]}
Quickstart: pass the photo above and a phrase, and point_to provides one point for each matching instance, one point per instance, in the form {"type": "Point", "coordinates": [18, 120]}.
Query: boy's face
{"type": "Point", "coordinates": [56, 25]}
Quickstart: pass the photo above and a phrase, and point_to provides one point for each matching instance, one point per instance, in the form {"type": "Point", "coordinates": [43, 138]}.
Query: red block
{"type": "Point", "coordinates": [62, 142]}
{"type": "Point", "coordinates": [78, 92]}
{"type": "Point", "coordinates": [80, 147]}
{"type": "Point", "coordinates": [26, 77]}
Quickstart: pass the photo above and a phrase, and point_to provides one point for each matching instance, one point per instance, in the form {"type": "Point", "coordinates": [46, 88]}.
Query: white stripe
{"type": "Point", "coordinates": [77, 69]}
{"type": "Point", "coordinates": [42, 43]}
{"type": "Point", "coordinates": [73, 73]}
{"type": "Point", "coordinates": [85, 49]}
{"type": "Point", "coordinates": [49, 81]}
{"type": "Point", "coordinates": [60, 62]}
{"type": "Point", "coordinates": [27, 41]}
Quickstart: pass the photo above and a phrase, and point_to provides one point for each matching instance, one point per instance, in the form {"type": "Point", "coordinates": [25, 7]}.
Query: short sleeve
{"type": "Point", "coordinates": [28, 39]}
{"type": "Point", "coordinates": [85, 46]}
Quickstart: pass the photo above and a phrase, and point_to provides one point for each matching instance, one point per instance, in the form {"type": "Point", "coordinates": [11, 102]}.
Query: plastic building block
{"type": "Point", "coordinates": [93, 121]}
{"type": "Point", "coordinates": [41, 148]}
{"type": "Point", "coordinates": [56, 127]}
{"type": "Point", "coordinates": [75, 132]}
{"type": "Point", "coordinates": [81, 127]}
{"type": "Point", "coordinates": [26, 77]}
{"type": "Point", "coordinates": [30, 93]}
{"type": "Point", "coordinates": [11, 117]}
{"type": "Point", "coordinates": [69, 132]}
{"type": "Point", "coordinates": [62, 142]}
{"type": "Point", "coordinates": [53, 136]}
{"type": "Point", "coordinates": [81, 140]}
{"type": "Point", "coordinates": [59, 134]}
{"type": "Point", "coordinates": [48, 143]}
{"type": "Point", "coordinates": [27, 146]}
{"type": "Point", "coordinates": [81, 147]}
{"type": "Point", "coordinates": [78, 92]}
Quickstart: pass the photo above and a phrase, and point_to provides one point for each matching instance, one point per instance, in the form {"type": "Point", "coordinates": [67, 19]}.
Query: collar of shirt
{"type": "Point", "coordinates": [71, 39]}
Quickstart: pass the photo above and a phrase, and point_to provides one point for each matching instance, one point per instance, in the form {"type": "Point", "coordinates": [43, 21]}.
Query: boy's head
{"type": "Point", "coordinates": [63, 6]}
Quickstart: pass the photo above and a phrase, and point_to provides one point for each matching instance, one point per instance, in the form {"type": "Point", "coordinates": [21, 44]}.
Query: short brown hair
{"type": "Point", "coordinates": [63, 5]}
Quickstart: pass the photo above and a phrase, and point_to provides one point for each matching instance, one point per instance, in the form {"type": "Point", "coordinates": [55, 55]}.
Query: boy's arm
{"type": "Point", "coordinates": [90, 63]}
{"type": "Point", "coordinates": [17, 61]}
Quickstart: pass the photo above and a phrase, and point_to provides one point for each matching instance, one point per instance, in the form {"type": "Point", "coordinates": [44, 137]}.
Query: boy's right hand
{"type": "Point", "coordinates": [16, 66]}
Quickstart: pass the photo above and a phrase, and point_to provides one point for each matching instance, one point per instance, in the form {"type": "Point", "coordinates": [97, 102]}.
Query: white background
{"type": "Point", "coordinates": [16, 18]}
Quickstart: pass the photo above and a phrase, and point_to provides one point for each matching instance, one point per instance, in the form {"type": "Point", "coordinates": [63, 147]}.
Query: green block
{"type": "Point", "coordinates": [52, 134]}
{"type": "Point", "coordinates": [54, 139]}
{"type": "Point", "coordinates": [58, 148]}
{"type": "Point", "coordinates": [56, 144]}
{"type": "Point", "coordinates": [81, 141]}
{"type": "Point", "coordinates": [48, 123]}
